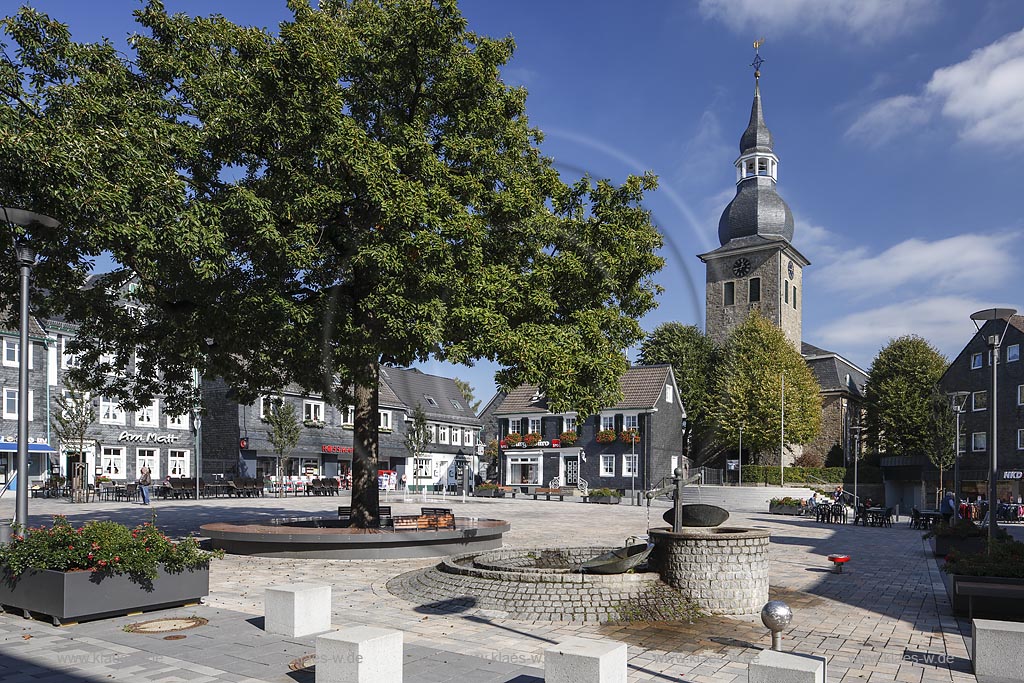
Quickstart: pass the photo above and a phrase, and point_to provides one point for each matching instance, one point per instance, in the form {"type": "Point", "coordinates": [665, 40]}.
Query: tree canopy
{"type": "Point", "coordinates": [694, 360]}
{"type": "Point", "coordinates": [755, 358]}
{"type": "Point", "coordinates": [902, 418]}
{"type": "Point", "coordinates": [359, 188]}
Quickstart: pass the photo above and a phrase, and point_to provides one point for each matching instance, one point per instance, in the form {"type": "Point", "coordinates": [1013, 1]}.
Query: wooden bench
{"type": "Point", "coordinates": [972, 589]}
{"type": "Point", "coordinates": [547, 493]}
{"type": "Point", "coordinates": [508, 490]}
{"type": "Point", "coordinates": [423, 522]}
{"type": "Point", "coordinates": [345, 514]}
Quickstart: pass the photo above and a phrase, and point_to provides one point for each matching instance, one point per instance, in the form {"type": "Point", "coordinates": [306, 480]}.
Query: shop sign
{"type": "Point", "coordinates": [148, 437]}
{"type": "Point", "coordinates": [331, 448]}
{"type": "Point", "coordinates": [1013, 475]}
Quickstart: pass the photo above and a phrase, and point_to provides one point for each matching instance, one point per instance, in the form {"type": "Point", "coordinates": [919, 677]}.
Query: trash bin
{"type": "Point", "coordinates": [5, 531]}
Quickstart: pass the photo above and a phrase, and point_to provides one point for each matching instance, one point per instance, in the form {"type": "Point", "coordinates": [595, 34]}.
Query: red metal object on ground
{"type": "Point", "coordinates": [839, 561]}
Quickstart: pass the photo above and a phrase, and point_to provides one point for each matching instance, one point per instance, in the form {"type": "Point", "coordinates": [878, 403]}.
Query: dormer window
{"type": "Point", "coordinates": [431, 401]}
{"type": "Point", "coordinates": [455, 404]}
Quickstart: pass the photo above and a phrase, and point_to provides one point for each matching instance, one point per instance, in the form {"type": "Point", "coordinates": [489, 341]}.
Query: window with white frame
{"type": "Point", "coordinates": [10, 407]}
{"type": "Point", "coordinates": [442, 434]}
{"type": "Point", "coordinates": [979, 400]}
{"type": "Point", "coordinates": [313, 411]}
{"type": "Point", "coordinates": [455, 404]}
{"type": "Point", "coordinates": [669, 398]}
{"type": "Point", "coordinates": [177, 421]}
{"type": "Point", "coordinates": [178, 463]}
{"type": "Point", "coordinates": [975, 361]}
{"type": "Point", "coordinates": [349, 416]}
{"type": "Point", "coordinates": [262, 405]}
{"type": "Point", "coordinates": [112, 463]}
{"type": "Point", "coordinates": [110, 360]}
{"type": "Point", "coordinates": [10, 357]}
{"type": "Point", "coordinates": [1020, 394]}
{"type": "Point", "coordinates": [148, 457]}
{"type": "Point", "coordinates": [630, 422]}
{"type": "Point", "coordinates": [629, 462]}
{"type": "Point", "coordinates": [1012, 353]}
{"type": "Point", "coordinates": [469, 438]}
{"type": "Point", "coordinates": [110, 412]}
{"type": "Point", "coordinates": [607, 465]}
{"type": "Point", "coordinates": [1020, 439]}
{"type": "Point", "coordinates": [535, 425]}
{"type": "Point", "coordinates": [431, 401]}
{"type": "Point", "coordinates": [432, 433]}
{"type": "Point", "coordinates": [607, 422]}
{"type": "Point", "coordinates": [961, 445]}
{"type": "Point", "coordinates": [148, 416]}
{"type": "Point", "coordinates": [456, 436]}
{"type": "Point", "coordinates": [569, 423]}
{"type": "Point", "coordinates": [978, 441]}
{"type": "Point", "coordinates": [67, 359]}
{"type": "Point", "coordinates": [384, 420]}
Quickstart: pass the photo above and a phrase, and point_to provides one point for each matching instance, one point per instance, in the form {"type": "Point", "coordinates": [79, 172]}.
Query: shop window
{"type": "Point", "coordinates": [978, 441]}
{"type": "Point", "coordinates": [524, 470]}
{"type": "Point", "coordinates": [178, 463]}
{"type": "Point", "coordinates": [112, 463]}
{"type": "Point", "coordinates": [607, 465]}
{"type": "Point", "coordinates": [979, 400]}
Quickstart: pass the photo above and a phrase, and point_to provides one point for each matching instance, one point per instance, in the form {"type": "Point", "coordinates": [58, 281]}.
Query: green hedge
{"type": "Point", "coordinates": [769, 474]}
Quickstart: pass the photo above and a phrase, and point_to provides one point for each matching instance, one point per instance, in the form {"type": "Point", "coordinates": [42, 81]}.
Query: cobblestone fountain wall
{"type": "Point", "coordinates": [724, 570]}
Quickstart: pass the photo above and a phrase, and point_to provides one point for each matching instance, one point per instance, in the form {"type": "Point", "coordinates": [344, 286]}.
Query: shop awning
{"type": "Point", "coordinates": [32, 447]}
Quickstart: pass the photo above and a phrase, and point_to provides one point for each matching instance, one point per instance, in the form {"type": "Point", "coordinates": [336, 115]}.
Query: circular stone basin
{"type": "Point", "coordinates": [327, 538]}
{"type": "Point", "coordinates": [166, 625]}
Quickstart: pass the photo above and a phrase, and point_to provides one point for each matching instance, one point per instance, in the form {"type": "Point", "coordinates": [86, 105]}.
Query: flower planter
{"type": "Point", "coordinates": [79, 596]}
{"type": "Point", "coordinates": [944, 545]}
{"type": "Point", "coordinates": [489, 493]}
{"type": "Point", "coordinates": [783, 510]}
{"type": "Point", "coordinates": [1007, 608]}
{"type": "Point", "coordinates": [604, 500]}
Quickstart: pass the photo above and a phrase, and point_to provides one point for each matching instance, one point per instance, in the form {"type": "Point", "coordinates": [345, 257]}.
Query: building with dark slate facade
{"type": "Point", "coordinates": [650, 409]}
{"type": "Point", "coordinates": [842, 404]}
{"type": "Point", "coordinates": [912, 480]}
{"type": "Point", "coordinates": [235, 442]}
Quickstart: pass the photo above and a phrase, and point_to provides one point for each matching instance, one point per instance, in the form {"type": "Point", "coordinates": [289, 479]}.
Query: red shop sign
{"type": "Point", "coordinates": [330, 448]}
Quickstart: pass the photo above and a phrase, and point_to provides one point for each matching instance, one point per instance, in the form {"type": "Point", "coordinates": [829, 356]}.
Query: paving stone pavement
{"type": "Point", "coordinates": [885, 618]}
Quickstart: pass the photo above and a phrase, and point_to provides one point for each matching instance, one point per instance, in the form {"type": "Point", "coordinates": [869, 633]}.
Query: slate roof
{"type": "Point", "coordinates": [411, 387]}
{"type": "Point", "coordinates": [754, 243]}
{"type": "Point", "coordinates": [833, 372]}
{"type": "Point", "coordinates": [10, 325]}
{"type": "Point", "coordinates": [757, 137]}
{"type": "Point", "coordinates": [641, 387]}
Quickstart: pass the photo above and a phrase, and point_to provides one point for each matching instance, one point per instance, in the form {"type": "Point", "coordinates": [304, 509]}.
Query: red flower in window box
{"type": "Point", "coordinates": [629, 436]}
{"type": "Point", "coordinates": [606, 436]}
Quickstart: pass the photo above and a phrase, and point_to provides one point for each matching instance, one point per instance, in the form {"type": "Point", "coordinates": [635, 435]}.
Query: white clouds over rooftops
{"type": "Point", "coordinates": [946, 265]}
{"type": "Point", "coordinates": [982, 95]}
{"type": "Point", "coordinates": [866, 20]}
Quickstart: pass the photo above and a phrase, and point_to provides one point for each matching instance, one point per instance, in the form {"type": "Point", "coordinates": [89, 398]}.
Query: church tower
{"type": "Point", "coordinates": [756, 267]}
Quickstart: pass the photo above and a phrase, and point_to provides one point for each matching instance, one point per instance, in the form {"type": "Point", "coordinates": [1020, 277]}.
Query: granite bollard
{"type": "Point", "coordinates": [582, 660]}
{"type": "Point", "coordinates": [299, 609]}
{"type": "Point", "coordinates": [997, 649]}
{"type": "Point", "coordinates": [770, 666]}
{"type": "Point", "coordinates": [359, 654]}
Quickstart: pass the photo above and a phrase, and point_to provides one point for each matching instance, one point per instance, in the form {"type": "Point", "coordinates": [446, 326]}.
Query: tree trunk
{"type": "Point", "coordinates": [365, 494]}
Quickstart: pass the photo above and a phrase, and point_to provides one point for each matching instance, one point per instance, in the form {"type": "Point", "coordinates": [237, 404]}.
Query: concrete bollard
{"type": "Point", "coordinates": [770, 666]}
{"type": "Point", "coordinates": [296, 610]}
{"type": "Point", "coordinates": [359, 654]}
{"type": "Point", "coordinates": [996, 649]}
{"type": "Point", "coordinates": [579, 660]}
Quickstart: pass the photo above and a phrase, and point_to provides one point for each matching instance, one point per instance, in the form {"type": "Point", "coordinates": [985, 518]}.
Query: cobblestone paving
{"type": "Point", "coordinates": [886, 618]}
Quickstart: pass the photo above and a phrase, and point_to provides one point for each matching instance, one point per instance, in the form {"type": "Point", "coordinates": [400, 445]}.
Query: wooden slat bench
{"type": "Point", "coordinates": [423, 522]}
{"type": "Point", "coordinates": [547, 493]}
{"type": "Point", "coordinates": [345, 514]}
{"type": "Point", "coordinates": [972, 589]}
{"type": "Point", "coordinates": [508, 490]}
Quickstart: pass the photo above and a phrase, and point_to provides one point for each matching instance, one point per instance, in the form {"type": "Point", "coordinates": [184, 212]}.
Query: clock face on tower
{"type": "Point", "coordinates": [741, 267]}
{"type": "Point", "coordinates": [791, 270]}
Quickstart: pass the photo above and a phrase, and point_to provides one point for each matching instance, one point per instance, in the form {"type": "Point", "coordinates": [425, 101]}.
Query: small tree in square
{"type": "Point", "coordinates": [283, 432]}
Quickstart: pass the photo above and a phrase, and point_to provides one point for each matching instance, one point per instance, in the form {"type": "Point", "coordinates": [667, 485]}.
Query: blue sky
{"type": "Point", "coordinates": [899, 125]}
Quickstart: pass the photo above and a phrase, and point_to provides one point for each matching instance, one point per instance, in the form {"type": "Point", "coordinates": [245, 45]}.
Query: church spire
{"type": "Point", "coordinates": [757, 137]}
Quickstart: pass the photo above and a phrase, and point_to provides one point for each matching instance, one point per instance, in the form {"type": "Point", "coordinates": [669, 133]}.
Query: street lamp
{"type": "Point", "coordinates": [741, 456]}
{"type": "Point", "coordinates": [25, 256]}
{"type": "Point", "coordinates": [856, 429]}
{"type": "Point", "coordinates": [959, 399]}
{"type": "Point", "coordinates": [994, 342]}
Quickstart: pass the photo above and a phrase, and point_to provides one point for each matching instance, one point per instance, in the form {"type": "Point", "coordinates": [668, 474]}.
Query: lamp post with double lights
{"type": "Point", "coordinates": [856, 430]}
{"type": "Point", "coordinates": [959, 401]}
{"type": "Point", "coordinates": [25, 256]}
{"type": "Point", "coordinates": [994, 343]}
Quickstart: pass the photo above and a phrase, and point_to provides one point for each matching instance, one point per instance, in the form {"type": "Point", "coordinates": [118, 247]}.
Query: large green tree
{"type": "Point", "coordinates": [359, 188]}
{"type": "Point", "coordinates": [901, 414]}
{"type": "Point", "coordinates": [694, 360]}
{"type": "Point", "coordinates": [755, 359]}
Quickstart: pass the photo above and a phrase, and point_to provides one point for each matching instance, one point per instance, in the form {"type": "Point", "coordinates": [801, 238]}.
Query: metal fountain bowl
{"type": "Point", "coordinates": [620, 560]}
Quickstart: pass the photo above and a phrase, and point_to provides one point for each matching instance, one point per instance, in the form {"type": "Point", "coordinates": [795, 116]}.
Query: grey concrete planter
{"type": "Point", "coordinates": [944, 545]}
{"type": "Point", "coordinates": [489, 493]}
{"type": "Point", "coordinates": [79, 596]}
{"type": "Point", "coordinates": [783, 510]}
{"type": "Point", "coordinates": [604, 500]}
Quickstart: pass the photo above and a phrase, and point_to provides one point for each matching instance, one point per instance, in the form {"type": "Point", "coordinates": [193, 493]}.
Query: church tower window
{"type": "Point", "coordinates": [755, 290]}
{"type": "Point", "coordinates": [785, 289]}
{"type": "Point", "coordinates": [729, 293]}
{"type": "Point", "coordinates": [794, 296]}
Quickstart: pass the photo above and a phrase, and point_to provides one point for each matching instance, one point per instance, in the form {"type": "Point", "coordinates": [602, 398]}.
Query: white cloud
{"type": "Point", "coordinates": [889, 118]}
{"type": "Point", "coordinates": [706, 153]}
{"type": "Point", "coordinates": [867, 20]}
{"type": "Point", "coordinates": [816, 240]}
{"type": "Point", "coordinates": [982, 95]}
{"type": "Point", "coordinates": [946, 265]}
{"type": "Point", "coordinates": [519, 76]}
{"type": "Point", "coordinates": [944, 321]}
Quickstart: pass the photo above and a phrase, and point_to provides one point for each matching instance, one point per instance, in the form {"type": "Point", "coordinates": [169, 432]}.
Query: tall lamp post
{"type": "Point", "coordinates": [741, 455]}
{"type": "Point", "coordinates": [25, 256]}
{"type": "Point", "coordinates": [994, 343]}
{"type": "Point", "coordinates": [782, 437]}
{"type": "Point", "coordinates": [856, 429]}
{"type": "Point", "coordinates": [959, 399]}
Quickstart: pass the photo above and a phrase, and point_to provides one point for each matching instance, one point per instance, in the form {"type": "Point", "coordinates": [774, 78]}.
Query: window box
{"type": "Point", "coordinates": [314, 424]}
{"type": "Point", "coordinates": [568, 438]}
{"type": "Point", "coordinates": [531, 439]}
{"type": "Point", "coordinates": [606, 436]}
{"type": "Point", "coordinates": [512, 438]}
{"type": "Point", "coordinates": [630, 436]}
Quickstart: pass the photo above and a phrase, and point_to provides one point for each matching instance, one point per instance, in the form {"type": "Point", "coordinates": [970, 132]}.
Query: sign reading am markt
{"type": "Point", "coordinates": [148, 437]}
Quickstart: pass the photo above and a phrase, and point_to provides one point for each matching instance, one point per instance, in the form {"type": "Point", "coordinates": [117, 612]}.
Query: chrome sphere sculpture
{"type": "Point", "coordinates": [776, 615]}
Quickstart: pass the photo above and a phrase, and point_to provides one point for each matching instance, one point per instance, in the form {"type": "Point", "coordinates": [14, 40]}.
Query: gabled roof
{"type": "Point", "coordinates": [1016, 324]}
{"type": "Point", "coordinates": [833, 372]}
{"type": "Point", "coordinates": [641, 387]}
{"type": "Point", "coordinates": [10, 325]}
{"type": "Point", "coordinates": [412, 388]}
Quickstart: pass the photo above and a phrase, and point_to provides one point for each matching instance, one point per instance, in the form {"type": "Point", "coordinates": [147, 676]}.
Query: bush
{"type": "Point", "coordinates": [964, 529]}
{"type": "Point", "coordinates": [830, 475]}
{"type": "Point", "coordinates": [101, 547]}
{"type": "Point", "coordinates": [786, 502]}
{"type": "Point", "coordinates": [1005, 561]}
{"type": "Point", "coordinates": [808, 459]}
{"type": "Point", "coordinates": [597, 493]}
{"type": "Point", "coordinates": [606, 436]}
{"type": "Point", "coordinates": [487, 486]}
{"type": "Point", "coordinates": [568, 438]}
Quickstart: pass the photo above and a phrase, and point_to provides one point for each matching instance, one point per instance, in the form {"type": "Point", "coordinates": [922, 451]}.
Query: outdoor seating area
{"type": "Point", "coordinates": [874, 516]}
{"type": "Point", "coordinates": [295, 485]}
{"type": "Point", "coordinates": [834, 513]}
{"type": "Point", "coordinates": [924, 519]}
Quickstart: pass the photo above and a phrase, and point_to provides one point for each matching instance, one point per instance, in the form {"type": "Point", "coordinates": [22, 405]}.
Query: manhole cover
{"type": "Point", "coordinates": [166, 625]}
{"type": "Point", "coordinates": [303, 663]}
{"type": "Point", "coordinates": [174, 637]}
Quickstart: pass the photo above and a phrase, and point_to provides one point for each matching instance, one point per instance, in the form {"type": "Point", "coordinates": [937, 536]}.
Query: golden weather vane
{"type": "Point", "coordinates": [757, 58]}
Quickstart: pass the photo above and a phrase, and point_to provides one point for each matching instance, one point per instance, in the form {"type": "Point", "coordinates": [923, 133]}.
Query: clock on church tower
{"type": "Point", "coordinates": [756, 267]}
